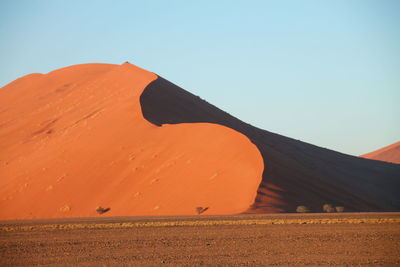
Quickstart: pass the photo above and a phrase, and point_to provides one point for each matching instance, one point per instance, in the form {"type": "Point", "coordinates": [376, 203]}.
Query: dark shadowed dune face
{"type": "Point", "coordinates": [295, 173]}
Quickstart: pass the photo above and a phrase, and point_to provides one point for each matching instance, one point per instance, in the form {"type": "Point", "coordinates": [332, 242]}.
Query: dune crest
{"type": "Point", "coordinates": [75, 139]}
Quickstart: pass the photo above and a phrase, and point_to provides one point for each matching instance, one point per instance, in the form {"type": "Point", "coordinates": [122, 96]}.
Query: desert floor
{"type": "Point", "coordinates": [345, 239]}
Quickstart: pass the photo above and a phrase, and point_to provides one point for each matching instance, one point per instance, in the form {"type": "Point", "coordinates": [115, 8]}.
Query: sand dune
{"type": "Point", "coordinates": [123, 138]}
{"type": "Point", "coordinates": [75, 139]}
{"type": "Point", "coordinates": [390, 153]}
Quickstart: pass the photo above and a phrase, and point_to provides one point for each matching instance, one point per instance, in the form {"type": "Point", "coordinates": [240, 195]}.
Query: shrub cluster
{"type": "Point", "coordinates": [326, 208]}
{"type": "Point", "coordinates": [330, 208]}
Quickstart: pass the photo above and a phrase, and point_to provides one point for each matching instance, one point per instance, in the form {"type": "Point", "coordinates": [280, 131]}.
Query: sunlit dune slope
{"type": "Point", "coordinates": [390, 153]}
{"type": "Point", "coordinates": [295, 173]}
{"type": "Point", "coordinates": [75, 139]}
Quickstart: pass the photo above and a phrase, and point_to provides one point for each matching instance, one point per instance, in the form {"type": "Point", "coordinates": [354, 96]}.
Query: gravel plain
{"type": "Point", "coordinates": [346, 239]}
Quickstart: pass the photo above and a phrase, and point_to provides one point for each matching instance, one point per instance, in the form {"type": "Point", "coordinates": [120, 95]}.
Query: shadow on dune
{"type": "Point", "coordinates": [295, 173]}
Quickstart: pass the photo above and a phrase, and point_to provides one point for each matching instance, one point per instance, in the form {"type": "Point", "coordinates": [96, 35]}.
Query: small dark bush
{"type": "Point", "coordinates": [200, 210]}
{"type": "Point", "coordinates": [101, 210]}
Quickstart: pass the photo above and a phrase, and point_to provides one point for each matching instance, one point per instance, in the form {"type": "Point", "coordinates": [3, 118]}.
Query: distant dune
{"type": "Point", "coordinates": [390, 153]}
{"type": "Point", "coordinates": [121, 140]}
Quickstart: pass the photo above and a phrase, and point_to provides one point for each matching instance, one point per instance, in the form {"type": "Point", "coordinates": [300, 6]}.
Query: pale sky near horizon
{"type": "Point", "coordinates": [324, 72]}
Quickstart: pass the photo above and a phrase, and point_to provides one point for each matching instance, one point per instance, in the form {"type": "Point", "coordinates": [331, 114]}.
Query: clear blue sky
{"type": "Point", "coordinates": [325, 72]}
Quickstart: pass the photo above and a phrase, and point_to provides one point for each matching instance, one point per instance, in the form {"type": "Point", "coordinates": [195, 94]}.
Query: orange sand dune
{"type": "Point", "coordinates": [75, 139]}
{"type": "Point", "coordinates": [390, 153]}
{"type": "Point", "coordinates": [120, 137]}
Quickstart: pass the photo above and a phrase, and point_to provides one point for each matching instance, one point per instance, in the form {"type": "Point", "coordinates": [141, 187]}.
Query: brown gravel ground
{"type": "Point", "coordinates": [347, 239]}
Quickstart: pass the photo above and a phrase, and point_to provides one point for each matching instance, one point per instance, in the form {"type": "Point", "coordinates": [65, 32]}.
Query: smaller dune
{"type": "Point", "coordinates": [390, 153]}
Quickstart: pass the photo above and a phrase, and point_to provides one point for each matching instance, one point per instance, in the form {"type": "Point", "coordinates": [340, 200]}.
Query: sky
{"type": "Point", "coordinates": [324, 72]}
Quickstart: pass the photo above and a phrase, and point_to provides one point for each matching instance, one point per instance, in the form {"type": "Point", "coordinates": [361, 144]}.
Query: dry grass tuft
{"type": "Point", "coordinates": [302, 209]}
{"type": "Point", "coordinates": [328, 208]}
{"type": "Point", "coordinates": [339, 208]}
